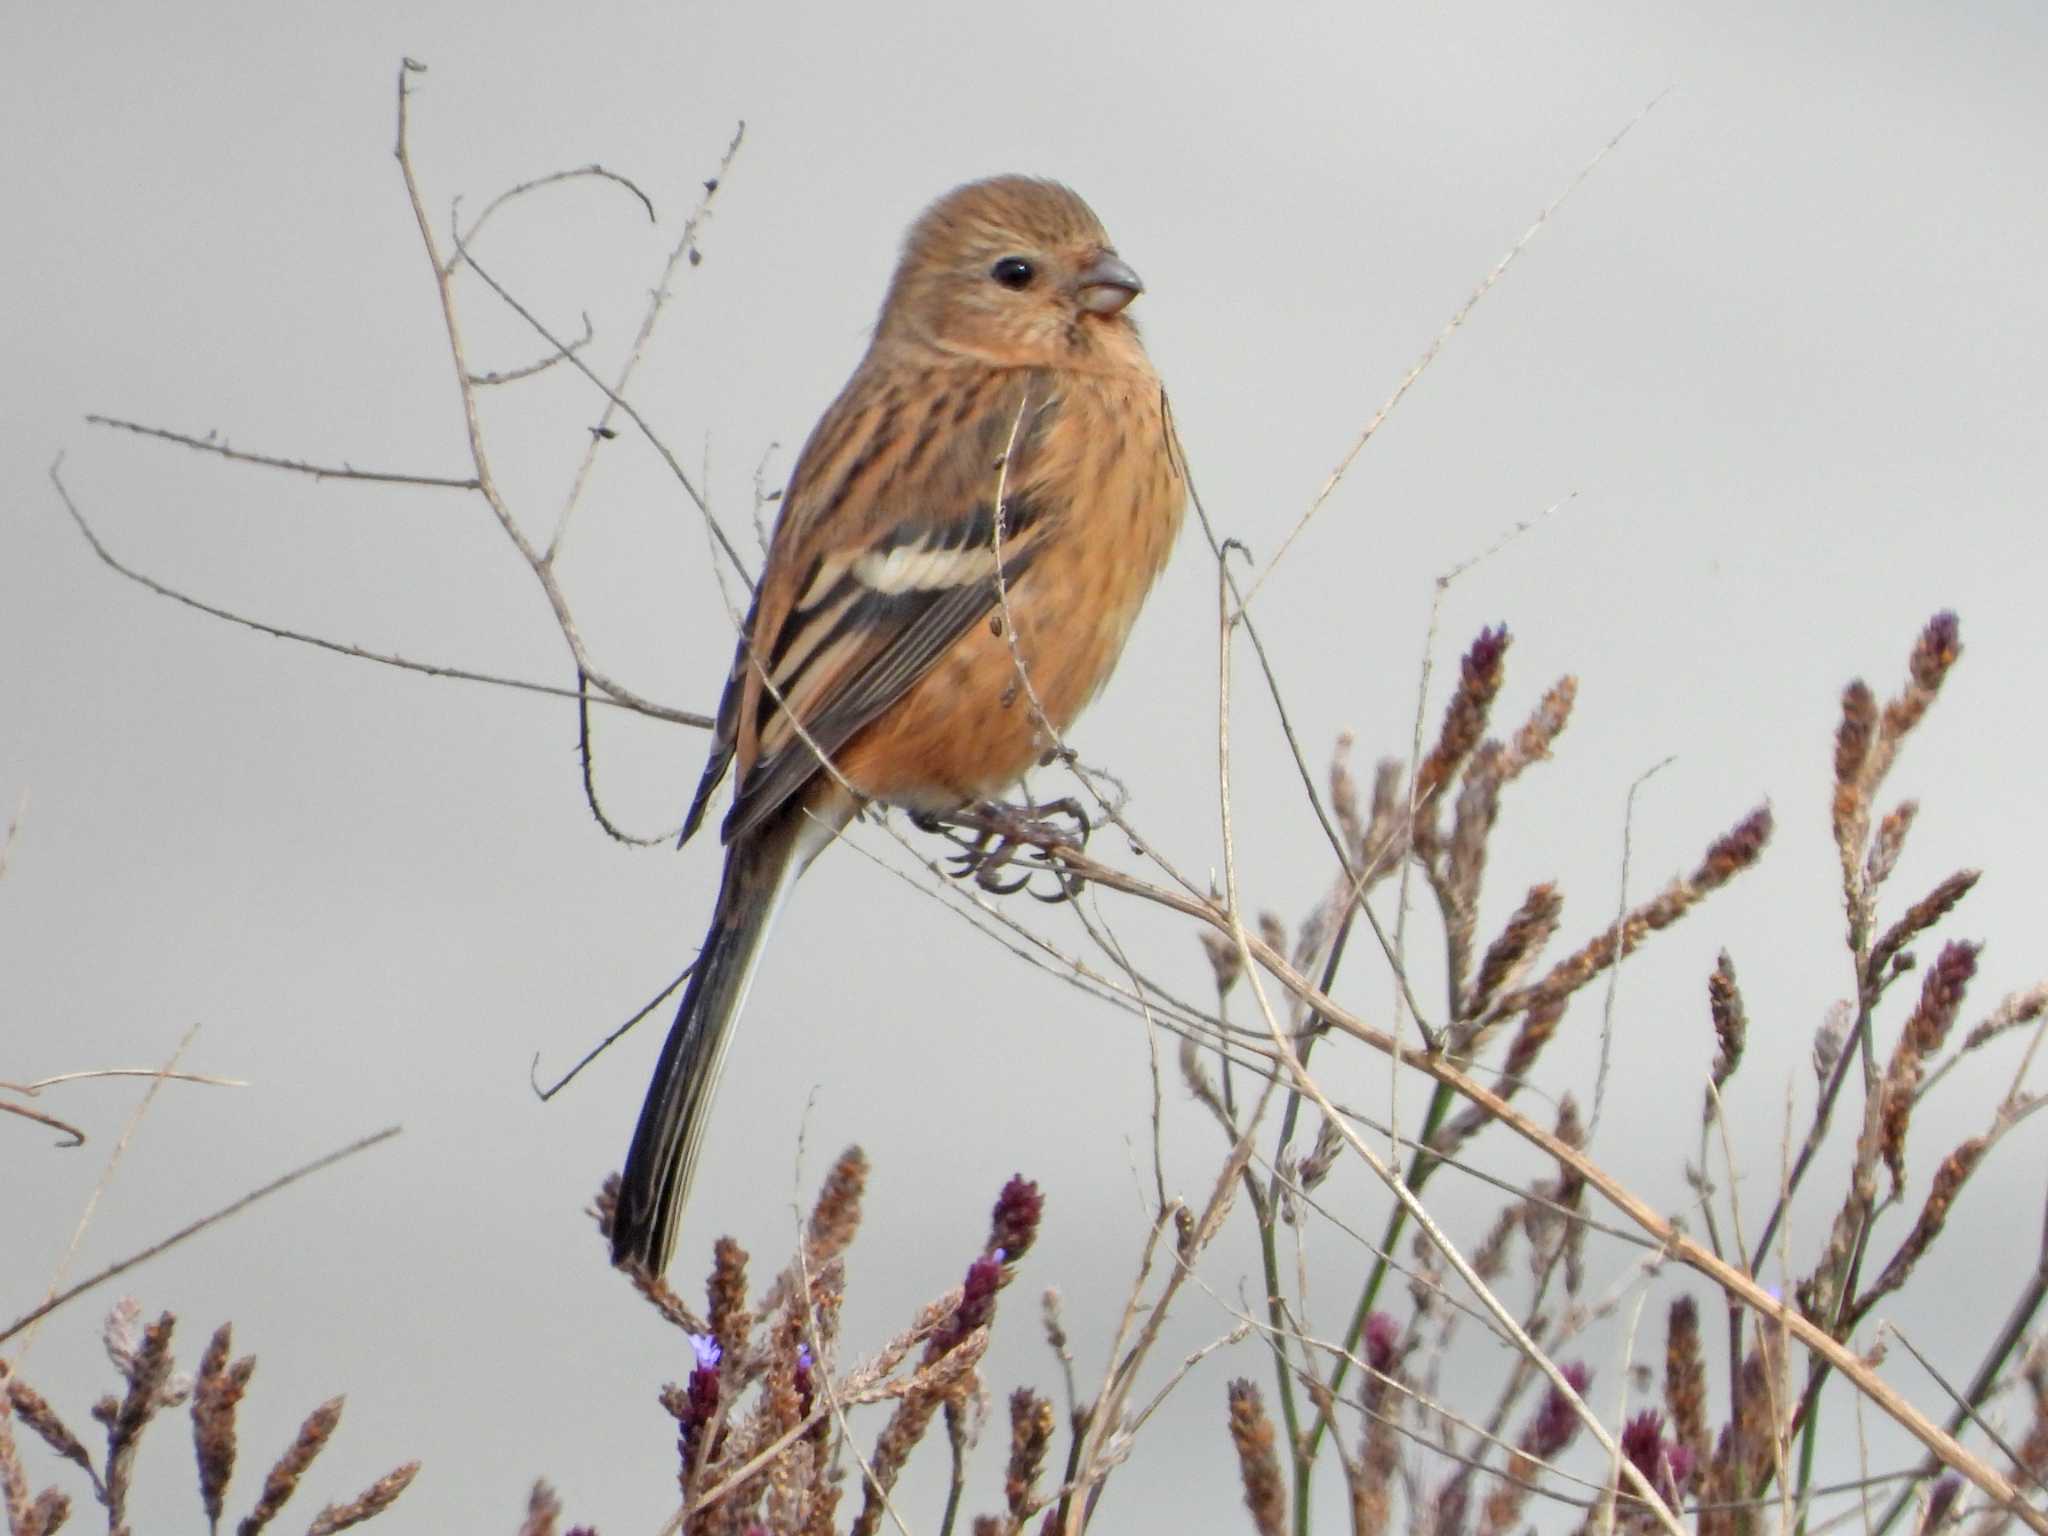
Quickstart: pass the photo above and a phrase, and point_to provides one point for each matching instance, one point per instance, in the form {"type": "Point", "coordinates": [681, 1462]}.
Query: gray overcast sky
{"type": "Point", "coordinates": [1785, 352]}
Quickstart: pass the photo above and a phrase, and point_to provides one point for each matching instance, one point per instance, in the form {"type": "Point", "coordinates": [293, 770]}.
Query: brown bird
{"type": "Point", "coordinates": [1001, 468]}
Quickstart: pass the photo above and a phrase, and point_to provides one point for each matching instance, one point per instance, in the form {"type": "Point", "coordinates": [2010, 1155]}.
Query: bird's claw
{"type": "Point", "coordinates": [993, 836]}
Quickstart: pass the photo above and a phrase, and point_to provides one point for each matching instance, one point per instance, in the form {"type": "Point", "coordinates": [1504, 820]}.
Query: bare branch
{"type": "Point", "coordinates": [209, 444]}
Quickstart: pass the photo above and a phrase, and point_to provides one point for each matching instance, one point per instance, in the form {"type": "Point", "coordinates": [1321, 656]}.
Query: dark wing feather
{"type": "Point", "coordinates": [724, 732]}
{"type": "Point", "coordinates": [906, 634]}
{"type": "Point", "coordinates": [884, 557]}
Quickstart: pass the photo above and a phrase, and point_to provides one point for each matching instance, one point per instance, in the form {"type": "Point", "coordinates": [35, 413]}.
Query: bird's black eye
{"type": "Point", "coordinates": [1013, 272]}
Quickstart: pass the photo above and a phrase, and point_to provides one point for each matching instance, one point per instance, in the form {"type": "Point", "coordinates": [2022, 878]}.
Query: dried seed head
{"type": "Point", "coordinates": [1889, 842]}
{"type": "Point", "coordinates": [1479, 680]}
{"type": "Point", "coordinates": [1532, 741]}
{"type": "Point", "coordinates": [1490, 1258]}
{"type": "Point", "coordinates": [1941, 995]}
{"type": "Point", "coordinates": [50, 1510]}
{"type": "Point", "coordinates": [1829, 1038]}
{"type": "Point", "coordinates": [1949, 1179]}
{"type": "Point", "coordinates": [1685, 1377]}
{"type": "Point", "coordinates": [1344, 794]}
{"type": "Point", "coordinates": [1735, 851]}
{"type": "Point", "coordinates": [727, 1296]}
{"type": "Point", "coordinates": [1922, 915]}
{"type": "Point", "coordinates": [543, 1509]}
{"type": "Point", "coordinates": [1941, 642]}
{"type": "Point", "coordinates": [216, 1394]}
{"type": "Point", "coordinates": [1939, 645]}
{"type": "Point", "coordinates": [1274, 932]}
{"type": "Point", "coordinates": [367, 1505]}
{"type": "Point", "coordinates": [284, 1475]}
{"type": "Point", "coordinates": [2017, 1009]}
{"type": "Point", "coordinates": [1731, 1024]}
{"type": "Point", "coordinates": [1852, 740]}
{"type": "Point", "coordinates": [1519, 945]}
{"type": "Point", "coordinates": [1225, 961]}
{"type": "Point", "coordinates": [1448, 1516]}
{"type": "Point", "coordinates": [39, 1416]}
{"type": "Point", "coordinates": [1031, 1429]}
{"type": "Point", "coordinates": [1379, 1461]}
{"type": "Point", "coordinates": [836, 1216]}
{"type": "Point", "coordinates": [1387, 799]}
{"type": "Point", "coordinates": [1251, 1432]}
{"type": "Point", "coordinates": [1322, 1157]}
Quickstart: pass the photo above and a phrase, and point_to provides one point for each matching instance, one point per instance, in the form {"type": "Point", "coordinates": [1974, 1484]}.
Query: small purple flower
{"type": "Point", "coordinates": [1557, 1421]}
{"type": "Point", "coordinates": [1679, 1459]}
{"type": "Point", "coordinates": [806, 1385]}
{"type": "Point", "coordinates": [698, 1407]}
{"type": "Point", "coordinates": [1452, 1501]}
{"type": "Point", "coordinates": [1941, 1501]}
{"type": "Point", "coordinates": [706, 1349]}
{"type": "Point", "coordinates": [1665, 1466]}
{"type": "Point", "coordinates": [977, 1301]}
{"type": "Point", "coordinates": [1382, 1334]}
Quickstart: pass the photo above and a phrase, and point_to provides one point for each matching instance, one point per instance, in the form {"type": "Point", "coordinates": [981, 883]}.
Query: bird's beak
{"type": "Point", "coordinates": [1107, 285]}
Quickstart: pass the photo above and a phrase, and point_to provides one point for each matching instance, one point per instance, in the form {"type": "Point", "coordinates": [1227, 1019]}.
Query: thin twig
{"type": "Point", "coordinates": [192, 1229]}
{"type": "Point", "coordinates": [466, 389]}
{"type": "Point", "coordinates": [63, 1127]}
{"type": "Point", "coordinates": [341, 647]}
{"type": "Point", "coordinates": [209, 444]}
{"type": "Point", "coordinates": [1628, 826]}
{"type": "Point", "coordinates": [533, 1071]}
{"type": "Point", "coordinates": [91, 1073]}
{"type": "Point", "coordinates": [1429, 354]}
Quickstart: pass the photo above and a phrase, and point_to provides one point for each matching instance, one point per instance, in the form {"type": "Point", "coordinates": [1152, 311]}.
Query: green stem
{"type": "Point", "coordinates": [1420, 1165]}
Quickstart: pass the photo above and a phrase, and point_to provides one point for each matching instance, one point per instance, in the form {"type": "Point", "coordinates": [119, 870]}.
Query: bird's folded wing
{"type": "Point", "coordinates": [872, 629]}
{"type": "Point", "coordinates": [863, 599]}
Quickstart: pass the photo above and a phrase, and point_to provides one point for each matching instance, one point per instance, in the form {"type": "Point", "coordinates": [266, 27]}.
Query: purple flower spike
{"type": "Point", "coordinates": [1013, 1226]}
{"type": "Point", "coordinates": [1382, 1334]}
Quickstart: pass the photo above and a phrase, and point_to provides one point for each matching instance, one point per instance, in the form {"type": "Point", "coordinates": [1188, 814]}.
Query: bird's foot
{"type": "Point", "coordinates": [993, 836]}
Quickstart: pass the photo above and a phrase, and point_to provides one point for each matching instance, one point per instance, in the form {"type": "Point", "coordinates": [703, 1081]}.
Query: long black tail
{"type": "Point", "coordinates": [759, 869]}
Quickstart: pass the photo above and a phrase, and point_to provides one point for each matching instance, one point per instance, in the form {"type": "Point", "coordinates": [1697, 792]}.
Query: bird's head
{"type": "Point", "coordinates": [1017, 272]}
